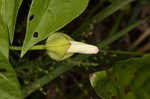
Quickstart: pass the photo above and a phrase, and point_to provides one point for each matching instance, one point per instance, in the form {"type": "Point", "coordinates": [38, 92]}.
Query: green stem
{"type": "Point", "coordinates": [27, 90]}
{"type": "Point", "coordinates": [113, 38]}
{"type": "Point", "coordinates": [117, 24]}
{"type": "Point", "coordinates": [101, 15]}
{"type": "Point", "coordinates": [121, 52]}
{"type": "Point", "coordinates": [36, 47]}
{"type": "Point", "coordinates": [42, 47]}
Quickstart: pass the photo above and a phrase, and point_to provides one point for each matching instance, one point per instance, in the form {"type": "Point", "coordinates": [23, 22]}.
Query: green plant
{"type": "Point", "coordinates": [127, 79]}
{"type": "Point", "coordinates": [47, 17]}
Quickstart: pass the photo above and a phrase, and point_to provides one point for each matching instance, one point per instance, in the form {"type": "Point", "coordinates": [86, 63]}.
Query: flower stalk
{"type": "Point", "coordinates": [19, 48]}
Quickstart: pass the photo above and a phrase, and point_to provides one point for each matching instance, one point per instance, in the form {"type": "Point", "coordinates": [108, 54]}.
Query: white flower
{"type": "Point", "coordinates": [79, 47]}
{"type": "Point", "coordinates": [60, 46]}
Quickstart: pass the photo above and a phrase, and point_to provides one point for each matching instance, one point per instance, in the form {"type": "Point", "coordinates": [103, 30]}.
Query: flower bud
{"type": "Point", "coordinates": [60, 46]}
{"type": "Point", "coordinates": [79, 47]}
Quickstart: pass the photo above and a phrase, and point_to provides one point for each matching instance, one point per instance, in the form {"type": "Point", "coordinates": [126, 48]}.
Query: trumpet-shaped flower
{"type": "Point", "coordinates": [60, 46]}
{"type": "Point", "coordinates": [79, 47]}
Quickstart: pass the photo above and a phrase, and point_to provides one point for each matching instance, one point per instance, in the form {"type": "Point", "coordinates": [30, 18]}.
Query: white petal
{"type": "Point", "coordinates": [79, 47]}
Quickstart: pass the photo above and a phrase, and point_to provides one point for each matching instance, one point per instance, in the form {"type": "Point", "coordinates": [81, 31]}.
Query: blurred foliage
{"type": "Point", "coordinates": [115, 19]}
{"type": "Point", "coordinates": [128, 79]}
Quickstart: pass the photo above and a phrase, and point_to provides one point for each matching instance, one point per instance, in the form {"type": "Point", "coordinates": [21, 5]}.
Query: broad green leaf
{"type": "Point", "coordinates": [9, 10]}
{"type": "Point", "coordinates": [47, 17]}
{"type": "Point", "coordinates": [9, 86]}
{"type": "Point", "coordinates": [3, 38]}
{"type": "Point", "coordinates": [129, 79]}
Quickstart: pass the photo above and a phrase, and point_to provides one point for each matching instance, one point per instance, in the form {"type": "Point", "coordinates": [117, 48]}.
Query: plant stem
{"type": "Point", "coordinates": [36, 47]}
{"type": "Point", "coordinates": [27, 90]}
{"type": "Point", "coordinates": [113, 38]}
{"type": "Point", "coordinates": [121, 52]}
{"type": "Point", "coordinates": [117, 24]}
{"type": "Point", "coordinates": [101, 15]}
{"type": "Point", "coordinates": [42, 47]}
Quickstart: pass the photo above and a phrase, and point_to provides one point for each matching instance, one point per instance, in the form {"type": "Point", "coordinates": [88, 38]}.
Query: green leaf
{"type": "Point", "coordinates": [47, 17]}
{"type": "Point", "coordinates": [129, 79]}
{"type": "Point", "coordinates": [3, 38]}
{"type": "Point", "coordinates": [9, 86]}
{"type": "Point", "coordinates": [9, 10]}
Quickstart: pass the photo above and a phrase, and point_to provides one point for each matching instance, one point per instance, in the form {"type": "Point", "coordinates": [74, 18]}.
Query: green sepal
{"type": "Point", "coordinates": [57, 45]}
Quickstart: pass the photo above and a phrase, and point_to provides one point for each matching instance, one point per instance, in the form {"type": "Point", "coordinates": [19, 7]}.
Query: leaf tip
{"type": "Point", "coordinates": [22, 54]}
